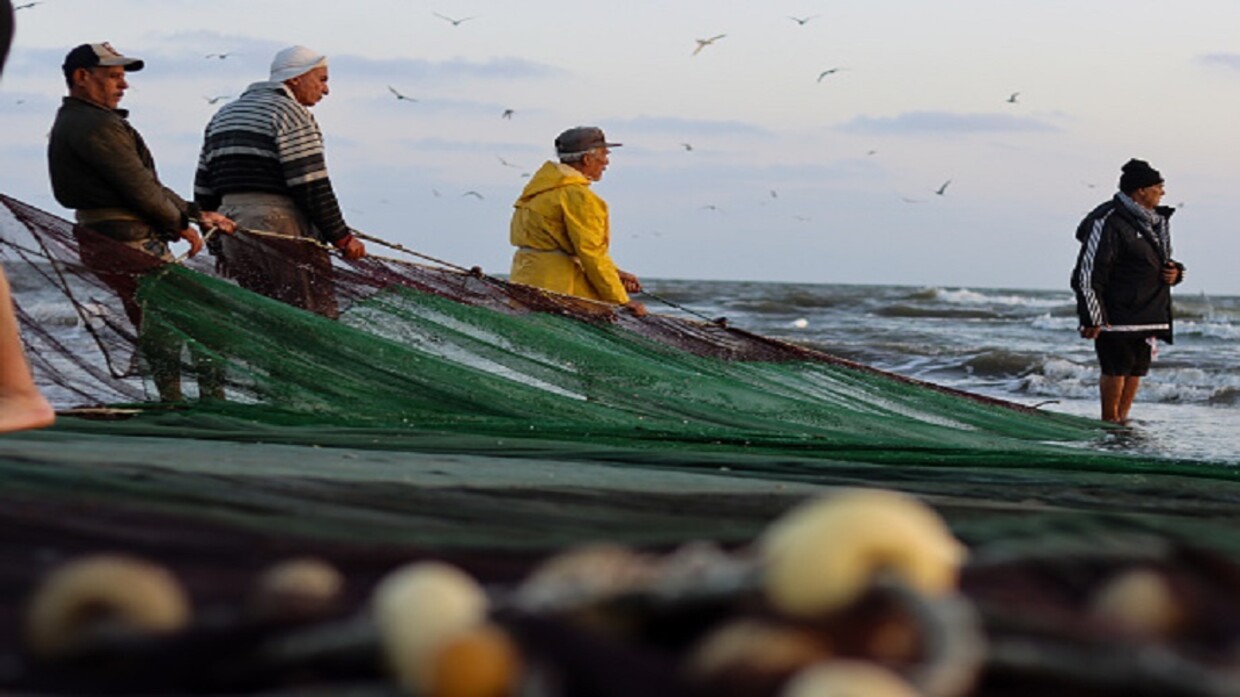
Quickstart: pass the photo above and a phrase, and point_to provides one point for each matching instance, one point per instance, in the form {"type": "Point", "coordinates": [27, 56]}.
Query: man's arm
{"type": "Point", "coordinates": [585, 222]}
{"type": "Point", "coordinates": [1091, 275]}
{"type": "Point", "coordinates": [300, 148]}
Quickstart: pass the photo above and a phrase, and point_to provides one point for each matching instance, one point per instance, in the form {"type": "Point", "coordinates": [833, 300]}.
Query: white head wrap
{"type": "Point", "coordinates": [294, 61]}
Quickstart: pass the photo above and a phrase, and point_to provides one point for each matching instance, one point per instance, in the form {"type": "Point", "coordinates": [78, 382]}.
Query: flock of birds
{"type": "Point", "coordinates": [508, 113]}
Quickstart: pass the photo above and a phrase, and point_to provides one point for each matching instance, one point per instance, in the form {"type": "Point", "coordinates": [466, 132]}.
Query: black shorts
{"type": "Point", "coordinates": [1123, 353]}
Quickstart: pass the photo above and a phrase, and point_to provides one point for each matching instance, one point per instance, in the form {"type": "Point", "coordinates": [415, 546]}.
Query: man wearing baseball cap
{"type": "Point", "coordinates": [101, 167]}
{"type": "Point", "coordinates": [263, 164]}
{"type": "Point", "coordinates": [562, 229]}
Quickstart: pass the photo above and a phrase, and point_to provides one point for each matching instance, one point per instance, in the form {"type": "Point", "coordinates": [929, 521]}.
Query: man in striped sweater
{"type": "Point", "coordinates": [1123, 280]}
{"type": "Point", "coordinates": [263, 165]}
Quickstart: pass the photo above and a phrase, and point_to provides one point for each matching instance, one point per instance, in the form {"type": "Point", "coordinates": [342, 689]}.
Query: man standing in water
{"type": "Point", "coordinates": [101, 167]}
{"type": "Point", "coordinates": [562, 230]}
{"type": "Point", "coordinates": [1123, 280]}
{"type": "Point", "coordinates": [22, 406]}
{"type": "Point", "coordinates": [263, 165]}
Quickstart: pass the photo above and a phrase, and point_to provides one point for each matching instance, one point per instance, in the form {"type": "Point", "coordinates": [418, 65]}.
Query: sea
{"type": "Point", "coordinates": [1017, 345]}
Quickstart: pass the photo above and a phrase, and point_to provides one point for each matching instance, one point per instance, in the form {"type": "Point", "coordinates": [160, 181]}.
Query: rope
{"type": "Point", "coordinates": [401, 248]}
{"type": "Point", "coordinates": [721, 321]}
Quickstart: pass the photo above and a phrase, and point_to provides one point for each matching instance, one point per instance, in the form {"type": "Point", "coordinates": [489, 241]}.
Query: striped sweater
{"type": "Point", "coordinates": [265, 142]}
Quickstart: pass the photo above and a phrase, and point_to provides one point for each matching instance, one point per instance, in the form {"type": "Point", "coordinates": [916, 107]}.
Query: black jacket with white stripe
{"type": "Point", "coordinates": [1118, 275]}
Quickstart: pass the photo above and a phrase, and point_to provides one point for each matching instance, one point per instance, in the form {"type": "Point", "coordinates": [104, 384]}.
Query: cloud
{"type": "Point", "coordinates": [501, 68]}
{"type": "Point", "coordinates": [944, 123]}
{"type": "Point", "coordinates": [1230, 61]}
{"type": "Point", "coordinates": [671, 125]}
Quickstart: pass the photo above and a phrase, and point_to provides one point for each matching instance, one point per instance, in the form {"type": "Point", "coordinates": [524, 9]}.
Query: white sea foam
{"type": "Point", "coordinates": [1052, 323]}
{"type": "Point", "coordinates": [1210, 330]}
{"type": "Point", "coordinates": [965, 296]}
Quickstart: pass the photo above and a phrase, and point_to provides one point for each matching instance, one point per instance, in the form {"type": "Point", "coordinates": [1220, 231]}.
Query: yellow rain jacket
{"type": "Point", "coordinates": [562, 233]}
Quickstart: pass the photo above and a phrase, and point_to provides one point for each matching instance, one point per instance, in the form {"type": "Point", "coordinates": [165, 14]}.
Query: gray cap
{"type": "Point", "coordinates": [581, 139]}
{"type": "Point", "coordinates": [93, 55]}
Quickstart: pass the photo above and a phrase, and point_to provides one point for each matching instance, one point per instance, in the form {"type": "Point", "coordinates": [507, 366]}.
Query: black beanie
{"type": "Point", "coordinates": [1137, 175]}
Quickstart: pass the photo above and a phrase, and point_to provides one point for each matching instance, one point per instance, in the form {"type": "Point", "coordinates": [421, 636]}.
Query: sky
{"type": "Point", "coordinates": [738, 162]}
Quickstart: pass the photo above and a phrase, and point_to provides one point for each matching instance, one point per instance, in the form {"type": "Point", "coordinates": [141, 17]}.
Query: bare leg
{"type": "Point", "coordinates": [1129, 393]}
{"type": "Point", "coordinates": [22, 406]}
{"type": "Point", "coordinates": [1111, 388]}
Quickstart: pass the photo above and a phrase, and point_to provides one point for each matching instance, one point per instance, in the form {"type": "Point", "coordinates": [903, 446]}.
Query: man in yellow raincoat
{"type": "Point", "coordinates": [561, 228]}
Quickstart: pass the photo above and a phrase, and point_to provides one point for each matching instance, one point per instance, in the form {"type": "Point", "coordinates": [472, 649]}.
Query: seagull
{"type": "Point", "coordinates": [687, 146]}
{"type": "Point", "coordinates": [435, 192]}
{"type": "Point", "coordinates": [217, 99]}
{"type": "Point", "coordinates": [825, 73]}
{"type": "Point", "coordinates": [506, 163]}
{"type": "Point", "coordinates": [774, 194]}
{"type": "Point", "coordinates": [711, 207]}
{"type": "Point", "coordinates": [703, 43]}
{"type": "Point", "coordinates": [910, 200]}
{"type": "Point", "coordinates": [507, 114]}
{"type": "Point", "coordinates": [475, 194]}
{"type": "Point", "coordinates": [1089, 185]}
{"type": "Point", "coordinates": [802, 21]}
{"type": "Point", "coordinates": [803, 218]}
{"type": "Point", "coordinates": [221, 56]}
{"type": "Point", "coordinates": [943, 188]}
{"type": "Point", "coordinates": [399, 96]}
{"type": "Point", "coordinates": [26, 6]}
{"type": "Point", "coordinates": [868, 153]}
{"type": "Point", "coordinates": [1012, 99]}
{"type": "Point", "coordinates": [455, 22]}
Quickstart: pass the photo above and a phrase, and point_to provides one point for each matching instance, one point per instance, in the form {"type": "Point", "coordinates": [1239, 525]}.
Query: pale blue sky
{"type": "Point", "coordinates": [788, 179]}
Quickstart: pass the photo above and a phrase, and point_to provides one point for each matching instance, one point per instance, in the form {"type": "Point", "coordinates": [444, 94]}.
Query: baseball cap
{"type": "Point", "coordinates": [581, 139]}
{"type": "Point", "coordinates": [101, 54]}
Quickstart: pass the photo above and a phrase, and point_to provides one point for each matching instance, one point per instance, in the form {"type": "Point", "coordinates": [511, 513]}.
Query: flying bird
{"type": "Point", "coordinates": [217, 99]}
{"type": "Point", "coordinates": [221, 56]}
{"type": "Point", "coordinates": [802, 21]}
{"type": "Point", "coordinates": [506, 163]}
{"type": "Point", "coordinates": [711, 207]}
{"type": "Point", "coordinates": [475, 194]}
{"type": "Point", "coordinates": [703, 43]}
{"type": "Point", "coordinates": [1012, 99]}
{"type": "Point", "coordinates": [774, 194]}
{"type": "Point", "coordinates": [400, 97]}
{"type": "Point", "coordinates": [26, 6]}
{"type": "Point", "coordinates": [825, 73]}
{"type": "Point", "coordinates": [507, 114]}
{"type": "Point", "coordinates": [943, 188]}
{"type": "Point", "coordinates": [455, 22]}
{"type": "Point", "coordinates": [687, 146]}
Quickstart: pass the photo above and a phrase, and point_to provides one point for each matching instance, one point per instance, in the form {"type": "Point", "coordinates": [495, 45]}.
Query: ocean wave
{"type": "Point", "coordinates": [965, 296]}
{"type": "Point", "coordinates": [1055, 322]}
{"type": "Point", "coordinates": [1209, 330]}
{"type": "Point", "coordinates": [1066, 379]}
{"type": "Point", "coordinates": [1001, 363]}
{"type": "Point", "coordinates": [945, 312]}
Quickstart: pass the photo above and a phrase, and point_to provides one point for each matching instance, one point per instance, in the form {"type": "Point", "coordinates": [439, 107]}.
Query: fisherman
{"type": "Point", "coordinates": [1123, 280]}
{"type": "Point", "coordinates": [101, 167]}
{"type": "Point", "coordinates": [561, 228]}
{"type": "Point", "coordinates": [263, 165]}
{"type": "Point", "coordinates": [22, 406]}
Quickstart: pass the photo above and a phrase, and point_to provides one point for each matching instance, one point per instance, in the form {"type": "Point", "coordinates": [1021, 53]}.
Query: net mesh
{"type": "Point", "coordinates": [422, 350]}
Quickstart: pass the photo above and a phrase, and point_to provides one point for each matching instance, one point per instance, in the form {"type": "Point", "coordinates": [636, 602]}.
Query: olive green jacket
{"type": "Point", "coordinates": [98, 161]}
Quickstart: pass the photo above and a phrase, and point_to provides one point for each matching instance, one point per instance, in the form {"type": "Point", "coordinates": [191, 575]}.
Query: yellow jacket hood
{"type": "Point", "coordinates": [552, 175]}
